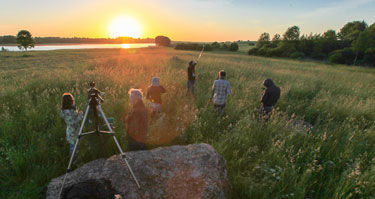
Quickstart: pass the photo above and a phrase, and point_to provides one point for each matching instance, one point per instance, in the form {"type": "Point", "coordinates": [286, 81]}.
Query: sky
{"type": "Point", "coordinates": [194, 20]}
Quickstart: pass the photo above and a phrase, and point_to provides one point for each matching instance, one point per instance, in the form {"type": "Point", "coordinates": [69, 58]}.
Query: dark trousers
{"type": "Point", "coordinates": [219, 108]}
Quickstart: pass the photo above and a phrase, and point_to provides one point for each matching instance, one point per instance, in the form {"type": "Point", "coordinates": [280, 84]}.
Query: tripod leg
{"type": "Point", "coordinates": [74, 150]}
{"type": "Point", "coordinates": [118, 146]}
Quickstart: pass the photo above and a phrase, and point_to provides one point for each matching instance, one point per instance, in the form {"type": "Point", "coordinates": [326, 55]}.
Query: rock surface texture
{"type": "Point", "coordinates": [191, 172]}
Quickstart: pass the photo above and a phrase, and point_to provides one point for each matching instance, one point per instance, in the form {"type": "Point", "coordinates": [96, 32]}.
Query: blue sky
{"type": "Point", "coordinates": [194, 20]}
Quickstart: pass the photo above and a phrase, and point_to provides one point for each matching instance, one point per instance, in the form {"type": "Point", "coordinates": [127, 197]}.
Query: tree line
{"type": "Point", "coordinates": [10, 39]}
{"type": "Point", "coordinates": [353, 45]}
{"type": "Point", "coordinates": [225, 46]}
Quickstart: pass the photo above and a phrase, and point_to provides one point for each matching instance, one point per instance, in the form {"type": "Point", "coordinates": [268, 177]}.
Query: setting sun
{"type": "Point", "coordinates": [125, 27]}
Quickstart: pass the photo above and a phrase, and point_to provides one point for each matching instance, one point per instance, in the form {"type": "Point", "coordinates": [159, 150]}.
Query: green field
{"type": "Point", "coordinates": [335, 160]}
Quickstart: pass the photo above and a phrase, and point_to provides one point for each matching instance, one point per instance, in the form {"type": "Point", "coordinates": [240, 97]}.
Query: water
{"type": "Point", "coordinates": [78, 46]}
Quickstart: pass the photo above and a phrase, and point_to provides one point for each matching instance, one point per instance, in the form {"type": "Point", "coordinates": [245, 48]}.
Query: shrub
{"type": "Point", "coordinates": [207, 47]}
{"type": "Point", "coordinates": [344, 56]}
{"type": "Point", "coordinates": [192, 46]}
{"type": "Point", "coordinates": [337, 58]}
{"type": "Point", "coordinates": [233, 47]}
{"type": "Point", "coordinates": [297, 55]}
{"type": "Point", "coordinates": [274, 52]}
{"type": "Point", "coordinates": [253, 51]}
{"type": "Point", "coordinates": [224, 46]}
{"type": "Point", "coordinates": [215, 45]}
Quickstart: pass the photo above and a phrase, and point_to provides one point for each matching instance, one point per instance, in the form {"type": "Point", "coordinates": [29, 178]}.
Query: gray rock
{"type": "Point", "coordinates": [193, 171]}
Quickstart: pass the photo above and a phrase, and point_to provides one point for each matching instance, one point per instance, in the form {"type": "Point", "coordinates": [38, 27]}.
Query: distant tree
{"type": "Point", "coordinates": [264, 39]}
{"type": "Point", "coordinates": [215, 45]}
{"type": "Point", "coordinates": [352, 30]}
{"type": "Point", "coordinates": [292, 34]}
{"type": "Point", "coordinates": [24, 40]}
{"type": "Point", "coordinates": [233, 46]}
{"type": "Point", "coordinates": [8, 39]}
{"type": "Point", "coordinates": [328, 42]}
{"type": "Point", "coordinates": [276, 38]}
{"type": "Point", "coordinates": [162, 41]}
{"type": "Point", "coordinates": [308, 43]}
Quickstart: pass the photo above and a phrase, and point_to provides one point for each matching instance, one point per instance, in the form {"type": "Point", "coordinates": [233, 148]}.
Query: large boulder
{"type": "Point", "coordinates": [193, 171]}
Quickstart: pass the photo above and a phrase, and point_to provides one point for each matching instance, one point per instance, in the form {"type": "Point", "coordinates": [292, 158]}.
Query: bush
{"type": "Point", "coordinates": [274, 52]}
{"type": "Point", "coordinates": [297, 55]}
{"type": "Point", "coordinates": [233, 47]}
{"type": "Point", "coordinates": [224, 46]}
{"type": "Point", "coordinates": [344, 56]}
{"type": "Point", "coordinates": [337, 58]}
{"type": "Point", "coordinates": [192, 46]}
{"type": "Point", "coordinates": [207, 47]}
{"type": "Point", "coordinates": [253, 51]}
{"type": "Point", "coordinates": [215, 45]}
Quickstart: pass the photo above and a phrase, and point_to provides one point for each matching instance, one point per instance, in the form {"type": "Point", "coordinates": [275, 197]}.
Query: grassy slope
{"type": "Point", "coordinates": [336, 160]}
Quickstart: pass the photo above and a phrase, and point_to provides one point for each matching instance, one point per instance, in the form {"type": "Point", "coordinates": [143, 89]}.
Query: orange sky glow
{"type": "Point", "coordinates": [194, 20]}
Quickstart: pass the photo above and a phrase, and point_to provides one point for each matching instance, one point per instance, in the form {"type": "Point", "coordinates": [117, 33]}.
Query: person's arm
{"type": "Point", "coordinates": [162, 89]}
{"type": "Point", "coordinates": [264, 96]}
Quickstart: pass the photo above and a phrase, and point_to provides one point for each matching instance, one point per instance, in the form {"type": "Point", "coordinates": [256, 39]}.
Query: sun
{"type": "Point", "coordinates": [125, 27]}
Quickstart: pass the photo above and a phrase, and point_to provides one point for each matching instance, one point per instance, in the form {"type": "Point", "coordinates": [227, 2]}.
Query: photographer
{"type": "Point", "coordinates": [136, 122]}
{"type": "Point", "coordinates": [72, 118]}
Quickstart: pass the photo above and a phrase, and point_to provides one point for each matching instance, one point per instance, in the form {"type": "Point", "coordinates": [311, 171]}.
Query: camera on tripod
{"type": "Point", "coordinates": [95, 94]}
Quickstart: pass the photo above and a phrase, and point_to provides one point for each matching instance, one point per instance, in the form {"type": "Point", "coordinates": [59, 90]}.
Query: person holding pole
{"type": "Point", "coordinates": [191, 74]}
{"type": "Point", "coordinates": [191, 77]}
{"type": "Point", "coordinates": [220, 91]}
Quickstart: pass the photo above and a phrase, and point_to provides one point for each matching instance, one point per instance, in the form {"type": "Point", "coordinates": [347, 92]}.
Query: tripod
{"type": "Point", "coordinates": [94, 104]}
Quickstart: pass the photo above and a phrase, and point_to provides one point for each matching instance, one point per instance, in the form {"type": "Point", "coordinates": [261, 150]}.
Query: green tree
{"type": "Point", "coordinates": [292, 34]}
{"type": "Point", "coordinates": [328, 42]}
{"type": "Point", "coordinates": [264, 39]}
{"type": "Point", "coordinates": [24, 40]}
{"type": "Point", "coordinates": [215, 45]}
{"type": "Point", "coordinates": [352, 30]}
{"type": "Point", "coordinates": [276, 38]}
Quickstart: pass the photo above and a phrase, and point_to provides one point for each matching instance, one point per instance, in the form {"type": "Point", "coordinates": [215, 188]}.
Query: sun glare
{"type": "Point", "coordinates": [125, 27]}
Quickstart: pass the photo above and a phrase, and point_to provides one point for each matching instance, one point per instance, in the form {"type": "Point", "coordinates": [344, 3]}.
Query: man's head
{"type": "Point", "coordinates": [268, 82]}
{"type": "Point", "coordinates": [155, 81]}
{"type": "Point", "coordinates": [135, 95]}
{"type": "Point", "coordinates": [222, 74]}
{"type": "Point", "coordinates": [192, 63]}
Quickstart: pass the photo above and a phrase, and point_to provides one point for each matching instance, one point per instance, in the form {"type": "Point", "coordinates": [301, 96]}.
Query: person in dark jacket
{"type": "Point", "coordinates": [191, 77]}
{"type": "Point", "coordinates": [154, 95]}
{"type": "Point", "coordinates": [269, 98]}
{"type": "Point", "coordinates": [136, 122]}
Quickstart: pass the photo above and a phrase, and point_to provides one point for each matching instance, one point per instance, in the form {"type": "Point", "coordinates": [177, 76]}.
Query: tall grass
{"type": "Point", "coordinates": [335, 160]}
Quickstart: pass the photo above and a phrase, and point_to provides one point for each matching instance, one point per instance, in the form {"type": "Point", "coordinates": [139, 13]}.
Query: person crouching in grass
{"type": "Point", "coordinates": [220, 91]}
{"type": "Point", "coordinates": [154, 95]}
{"type": "Point", "coordinates": [136, 122]}
{"type": "Point", "coordinates": [72, 119]}
{"type": "Point", "coordinates": [269, 98]}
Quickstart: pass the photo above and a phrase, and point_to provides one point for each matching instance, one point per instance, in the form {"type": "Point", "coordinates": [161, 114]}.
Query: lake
{"type": "Point", "coordinates": [78, 46]}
